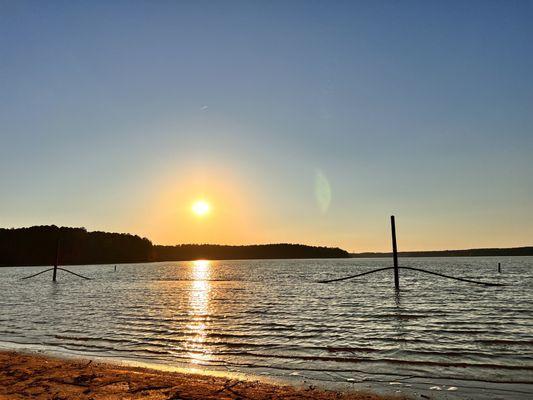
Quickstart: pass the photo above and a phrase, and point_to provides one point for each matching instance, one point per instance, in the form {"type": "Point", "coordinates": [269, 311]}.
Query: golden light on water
{"type": "Point", "coordinates": [199, 310]}
{"type": "Point", "coordinates": [200, 208]}
{"type": "Point", "coordinates": [201, 269]}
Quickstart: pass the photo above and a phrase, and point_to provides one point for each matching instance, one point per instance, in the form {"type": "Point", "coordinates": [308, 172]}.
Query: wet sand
{"type": "Point", "coordinates": [24, 376]}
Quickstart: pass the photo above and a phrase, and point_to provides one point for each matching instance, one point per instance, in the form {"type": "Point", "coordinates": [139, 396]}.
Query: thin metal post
{"type": "Point", "coordinates": [395, 254]}
{"type": "Point", "coordinates": [57, 261]}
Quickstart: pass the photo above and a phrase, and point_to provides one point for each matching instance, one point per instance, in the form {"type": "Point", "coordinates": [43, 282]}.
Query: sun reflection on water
{"type": "Point", "coordinates": [199, 310]}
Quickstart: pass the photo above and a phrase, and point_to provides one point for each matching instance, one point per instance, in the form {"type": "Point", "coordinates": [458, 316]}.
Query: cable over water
{"type": "Point", "coordinates": [50, 269]}
{"type": "Point", "coordinates": [453, 277]}
{"type": "Point", "coordinates": [413, 269]}
{"type": "Point", "coordinates": [354, 276]}
{"type": "Point", "coordinates": [73, 273]}
{"type": "Point", "coordinates": [38, 273]}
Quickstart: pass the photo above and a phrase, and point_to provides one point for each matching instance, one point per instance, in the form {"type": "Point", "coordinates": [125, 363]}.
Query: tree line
{"type": "Point", "coordinates": [511, 251]}
{"type": "Point", "coordinates": [37, 246]}
{"type": "Point", "coordinates": [220, 252]}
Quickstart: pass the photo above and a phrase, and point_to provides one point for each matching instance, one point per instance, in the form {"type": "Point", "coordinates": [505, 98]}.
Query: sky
{"type": "Point", "coordinates": [297, 121]}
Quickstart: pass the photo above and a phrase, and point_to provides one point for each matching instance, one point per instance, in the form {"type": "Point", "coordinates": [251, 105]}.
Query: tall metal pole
{"type": "Point", "coordinates": [57, 261]}
{"type": "Point", "coordinates": [395, 253]}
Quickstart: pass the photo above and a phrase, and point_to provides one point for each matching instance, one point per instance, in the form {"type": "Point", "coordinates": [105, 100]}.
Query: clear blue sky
{"type": "Point", "coordinates": [306, 121]}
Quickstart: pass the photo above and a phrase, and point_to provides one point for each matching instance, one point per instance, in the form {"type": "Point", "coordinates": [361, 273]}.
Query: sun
{"type": "Point", "coordinates": [200, 208]}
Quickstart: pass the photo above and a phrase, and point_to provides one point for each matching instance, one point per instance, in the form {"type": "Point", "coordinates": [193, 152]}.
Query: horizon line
{"type": "Point", "coordinates": [277, 243]}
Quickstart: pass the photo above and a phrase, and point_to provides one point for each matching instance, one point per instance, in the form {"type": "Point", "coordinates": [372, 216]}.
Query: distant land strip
{"type": "Point", "coordinates": [37, 245]}
{"type": "Point", "coordinates": [511, 251]}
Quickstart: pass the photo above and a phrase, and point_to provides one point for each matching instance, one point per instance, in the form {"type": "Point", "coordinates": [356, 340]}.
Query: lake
{"type": "Point", "coordinates": [270, 318]}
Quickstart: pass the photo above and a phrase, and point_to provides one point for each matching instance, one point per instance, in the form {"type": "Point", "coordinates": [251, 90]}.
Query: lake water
{"type": "Point", "coordinates": [270, 318]}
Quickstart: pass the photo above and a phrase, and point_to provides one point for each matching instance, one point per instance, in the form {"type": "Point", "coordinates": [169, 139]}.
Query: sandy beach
{"type": "Point", "coordinates": [24, 376]}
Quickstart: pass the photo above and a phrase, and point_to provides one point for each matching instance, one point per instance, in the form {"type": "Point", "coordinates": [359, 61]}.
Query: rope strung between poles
{"type": "Point", "coordinates": [73, 273]}
{"type": "Point", "coordinates": [38, 273]}
{"type": "Point", "coordinates": [413, 269]}
{"type": "Point", "coordinates": [453, 277]}
{"type": "Point", "coordinates": [62, 269]}
{"type": "Point", "coordinates": [354, 276]}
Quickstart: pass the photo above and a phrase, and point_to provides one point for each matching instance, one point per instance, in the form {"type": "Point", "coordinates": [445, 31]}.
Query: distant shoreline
{"type": "Point", "coordinates": [486, 252]}
{"type": "Point", "coordinates": [183, 260]}
{"type": "Point", "coordinates": [49, 244]}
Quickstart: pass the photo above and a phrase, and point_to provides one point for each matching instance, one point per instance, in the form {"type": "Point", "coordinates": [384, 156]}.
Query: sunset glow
{"type": "Point", "coordinates": [314, 140]}
{"type": "Point", "coordinates": [266, 199]}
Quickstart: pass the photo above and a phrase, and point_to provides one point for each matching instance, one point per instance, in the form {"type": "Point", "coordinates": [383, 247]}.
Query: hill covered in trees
{"type": "Point", "coordinates": [218, 252]}
{"type": "Point", "coordinates": [37, 246]}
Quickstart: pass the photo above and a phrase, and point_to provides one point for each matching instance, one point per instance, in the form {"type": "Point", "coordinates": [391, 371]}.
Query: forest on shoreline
{"type": "Point", "coordinates": [37, 245]}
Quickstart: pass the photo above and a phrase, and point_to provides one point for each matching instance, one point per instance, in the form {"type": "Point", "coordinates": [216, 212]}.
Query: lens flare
{"type": "Point", "coordinates": [322, 191]}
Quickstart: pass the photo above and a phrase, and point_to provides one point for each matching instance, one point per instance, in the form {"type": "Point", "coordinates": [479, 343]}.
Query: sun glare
{"type": "Point", "coordinates": [200, 208]}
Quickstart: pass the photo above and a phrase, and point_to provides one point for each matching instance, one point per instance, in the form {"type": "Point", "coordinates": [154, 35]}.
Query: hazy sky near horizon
{"type": "Point", "coordinates": [298, 121]}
